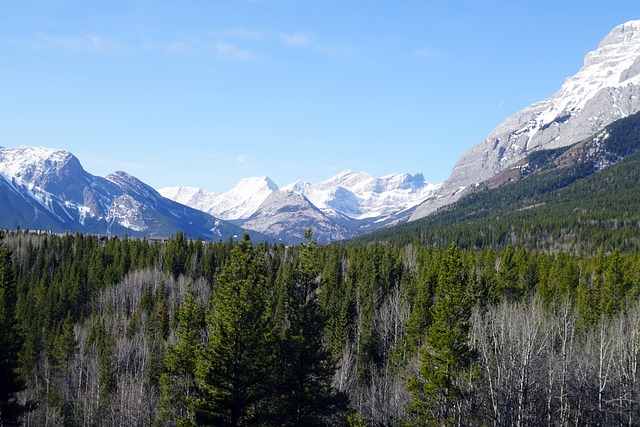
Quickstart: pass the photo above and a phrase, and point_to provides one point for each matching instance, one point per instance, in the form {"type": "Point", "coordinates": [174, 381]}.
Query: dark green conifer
{"type": "Point", "coordinates": [446, 354]}
{"type": "Point", "coordinates": [305, 396]}
{"type": "Point", "coordinates": [235, 369]}
{"type": "Point", "coordinates": [177, 382]}
{"type": "Point", "coordinates": [10, 343]}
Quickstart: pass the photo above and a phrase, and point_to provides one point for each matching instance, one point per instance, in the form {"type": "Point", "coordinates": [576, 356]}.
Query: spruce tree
{"type": "Point", "coordinates": [235, 369]}
{"type": "Point", "coordinates": [10, 343]}
{"type": "Point", "coordinates": [177, 382]}
{"type": "Point", "coordinates": [446, 355]}
{"type": "Point", "coordinates": [305, 396]}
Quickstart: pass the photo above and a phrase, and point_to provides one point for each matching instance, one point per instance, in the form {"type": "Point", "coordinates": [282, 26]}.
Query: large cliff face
{"type": "Point", "coordinates": [606, 89]}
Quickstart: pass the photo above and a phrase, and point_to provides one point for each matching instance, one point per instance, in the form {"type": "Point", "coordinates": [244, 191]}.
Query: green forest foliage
{"type": "Point", "coordinates": [519, 306]}
{"type": "Point", "coordinates": [573, 206]}
{"type": "Point", "coordinates": [125, 331]}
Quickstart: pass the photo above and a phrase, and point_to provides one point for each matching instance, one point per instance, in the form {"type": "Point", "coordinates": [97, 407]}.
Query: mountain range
{"type": "Point", "coordinates": [345, 205]}
{"type": "Point", "coordinates": [581, 198]}
{"type": "Point", "coordinates": [48, 189]}
{"type": "Point", "coordinates": [605, 89]}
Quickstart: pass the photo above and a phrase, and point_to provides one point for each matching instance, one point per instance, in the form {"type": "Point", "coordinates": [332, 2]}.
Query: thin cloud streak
{"type": "Point", "coordinates": [86, 42]}
{"type": "Point", "coordinates": [296, 40]}
{"type": "Point", "coordinates": [230, 51]}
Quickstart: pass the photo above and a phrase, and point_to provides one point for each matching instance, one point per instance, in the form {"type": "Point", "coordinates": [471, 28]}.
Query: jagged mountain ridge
{"type": "Point", "coordinates": [340, 207]}
{"type": "Point", "coordinates": [240, 202]}
{"type": "Point", "coordinates": [570, 198]}
{"type": "Point", "coordinates": [605, 89]}
{"type": "Point", "coordinates": [360, 196]}
{"type": "Point", "coordinates": [43, 188]}
{"type": "Point", "coordinates": [286, 215]}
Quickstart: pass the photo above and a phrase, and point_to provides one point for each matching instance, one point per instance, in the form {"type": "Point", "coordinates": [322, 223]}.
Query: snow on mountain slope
{"type": "Point", "coordinates": [195, 197]}
{"type": "Point", "coordinates": [36, 165]}
{"type": "Point", "coordinates": [287, 215]}
{"type": "Point", "coordinates": [358, 195]}
{"type": "Point", "coordinates": [605, 89]}
{"type": "Point", "coordinates": [342, 206]}
{"type": "Point", "coordinates": [56, 180]}
{"type": "Point", "coordinates": [238, 203]}
{"type": "Point", "coordinates": [48, 189]}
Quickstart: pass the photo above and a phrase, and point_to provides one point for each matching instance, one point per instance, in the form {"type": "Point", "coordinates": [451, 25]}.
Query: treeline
{"type": "Point", "coordinates": [578, 205]}
{"type": "Point", "coordinates": [130, 332]}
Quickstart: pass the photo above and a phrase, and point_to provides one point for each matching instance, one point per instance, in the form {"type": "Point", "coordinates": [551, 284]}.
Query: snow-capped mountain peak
{"type": "Point", "coordinates": [244, 199]}
{"type": "Point", "coordinates": [339, 207]}
{"type": "Point", "coordinates": [256, 184]}
{"type": "Point", "coordinates": [238, 203]}
{"type": "Point", "coordinates": [359, 195]}
{"type": "Point", "coordinates": [195, 197]}
{"type": "Point", "coordinates": [36, 165]}
{"type": "Point", "coordinates": [48, 189]}
{"type": "Point", "coordinates": [605, 89]}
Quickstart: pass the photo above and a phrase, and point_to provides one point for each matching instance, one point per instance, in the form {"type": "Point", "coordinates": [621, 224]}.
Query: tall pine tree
{"type": "Point", "coordinates": [446, 356]}
{"type": "Point", "coordinates": [235, 370]}
{"type": "Point", "coordinates": [177, 382]}
{"type": "Point", "coordinates": [305, 396]}
{"type": "Point", "coordinates": [10, 343]}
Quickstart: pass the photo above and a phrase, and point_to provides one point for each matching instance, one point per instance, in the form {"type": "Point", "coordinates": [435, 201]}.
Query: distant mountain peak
{"type": "Point", "coordinates": [341, 206]}
{"type": "Point", "coordinates": [605, 89]}
{"type": "Point", "coordinates": [253, 183]}
{"type": "Point", "coordinates": [359, 195]}
{"type": "Point", "coordinates": [238, 203]}
{"type": "Point", "coordinates": [35, 165]}
{"type": "Point", "coordinates": [47, 189]}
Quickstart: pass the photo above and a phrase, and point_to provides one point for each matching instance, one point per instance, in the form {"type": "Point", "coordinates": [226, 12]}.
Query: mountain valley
{"type": "Point", "coordinates": [508, 295]}
{"type": "Point", "coordinates": [48, 189]}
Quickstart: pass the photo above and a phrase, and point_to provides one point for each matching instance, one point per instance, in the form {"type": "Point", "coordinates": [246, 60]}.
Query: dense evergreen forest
{"type": "Point", "coordinates": [578, 199]}
{"type": "Point", "coordinates": [122, 331]}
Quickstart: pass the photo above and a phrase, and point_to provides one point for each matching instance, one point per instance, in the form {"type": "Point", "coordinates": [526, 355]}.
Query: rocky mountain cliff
{"type": "Point", "coordinates": [286, 215]}
{"type": "Point", "coordinates": [606, 89]}
{"type": "Point", "coordinates": [581, 198]}
{"type": "Point", "coordinates": [345, 205]}
{"type": "Point", "coordinates": [47, 189]}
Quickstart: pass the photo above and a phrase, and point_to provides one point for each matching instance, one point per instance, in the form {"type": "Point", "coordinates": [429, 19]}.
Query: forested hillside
{"type": "Point", "coordinates": [581, 199]}
{"type": "Point", "coordinates": [519, 305]}
{"type": "Point", "coordinates": [132, 332]}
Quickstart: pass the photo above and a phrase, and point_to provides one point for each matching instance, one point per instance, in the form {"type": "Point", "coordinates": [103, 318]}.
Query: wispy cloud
{"type": "Point", "coordinates": [230, 51]}
{"type": "Point", "coordinates": [309, 41]}
{"type": "Point", "coordinates": [296, 40]}
{"type": "Point", "coordinates": [242, 159]}
{"type": "Point", "coordinates": [242, 44]}
{"type": "Point", "coordinates": [86, 43]}
{"type": "Point", "coordinates": [202, 47]}
{"type": "Point", "coordinates": [425, 53]}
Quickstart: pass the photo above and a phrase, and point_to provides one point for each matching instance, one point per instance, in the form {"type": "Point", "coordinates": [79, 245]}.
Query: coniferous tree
{"type": "Point", "coordinates": [177, 382]}
{"type": "Point", "coordinates": [446, 355]}
{"type": "Point", "coordinates": [235, 370]}
{"type": "Point", "coordinates": [10, 341]}
{"type": "Point", "coordinates": [305, 395]}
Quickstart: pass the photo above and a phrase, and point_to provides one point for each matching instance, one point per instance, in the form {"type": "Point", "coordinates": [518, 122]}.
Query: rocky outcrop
{"type": "Point", "coordinates": [606, 89]}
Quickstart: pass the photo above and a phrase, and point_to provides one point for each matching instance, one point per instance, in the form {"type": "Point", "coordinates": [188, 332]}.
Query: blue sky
{"type": "Point", "coordinates": [204, 93]}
